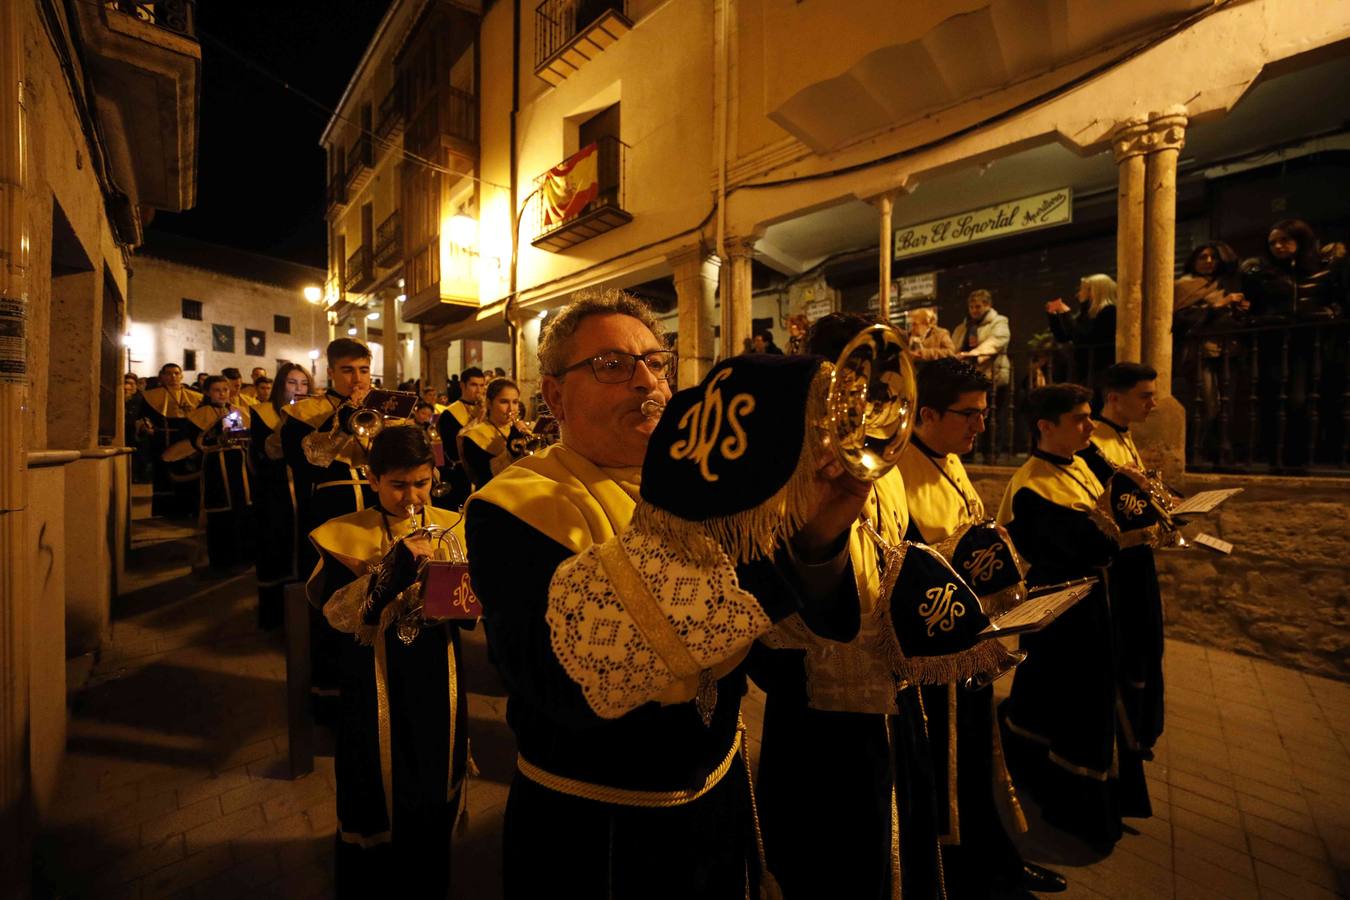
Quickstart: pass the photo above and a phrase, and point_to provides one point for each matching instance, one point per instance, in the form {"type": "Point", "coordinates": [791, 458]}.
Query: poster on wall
{"type": "Point", "coordinates": [473, 353]}
{"type": "Point", "coordinates": [255, 342]}
{"type": "Point", "coordinates": [222, 338]}
{"type": "Point", "coordinates": [1000, 220]}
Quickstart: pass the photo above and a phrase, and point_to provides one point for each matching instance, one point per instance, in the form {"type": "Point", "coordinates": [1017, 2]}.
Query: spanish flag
{"type": "Point", "coordinates": [570, 185]}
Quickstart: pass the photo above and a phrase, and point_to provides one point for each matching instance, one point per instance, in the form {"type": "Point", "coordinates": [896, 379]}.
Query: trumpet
{"type": "Point", "coordinates": [871, 403]}
{"type": "Point", "coordinates": [368, 420]}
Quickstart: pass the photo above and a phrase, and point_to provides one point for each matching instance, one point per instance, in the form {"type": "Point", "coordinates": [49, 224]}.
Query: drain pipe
{"type": "Point", "coordinates": [15, 787]}
{"type": "Point", "coordinates": [512, 331]}
{"type": "Point", "coordinates": [722, 66]}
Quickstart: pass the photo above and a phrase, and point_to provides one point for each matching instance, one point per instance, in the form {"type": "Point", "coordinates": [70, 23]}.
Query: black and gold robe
{"type": "Point", "coordinates": [321, 494]}
{"type": "Point", "coordinates": [450, 423]}
{"type": "Point", "coordinates": [486, 450]}
{"type": "Point", "coordinates": [976, 849]}
{"type": "Point", "coordinates": [650, 803]}
{"type": "Point", "coordinates": [402, 747]}
{"type": "Point", "coordinates": [167, 411]}
{"type": "Point", "coordinates": [1062, 733]}
{"type": "Point", "coordinates": [1136, 601]}
{"type": "Point", "coordinates": [274, 514]}
{"type": "Point", "coordinates": [226, 500]}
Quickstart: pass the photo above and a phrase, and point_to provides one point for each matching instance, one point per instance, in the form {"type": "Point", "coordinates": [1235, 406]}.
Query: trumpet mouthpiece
{"type": "Point", "coordinates": [652, 408]}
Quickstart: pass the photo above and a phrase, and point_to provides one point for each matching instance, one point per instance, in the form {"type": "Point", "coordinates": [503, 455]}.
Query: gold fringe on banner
{"type": "Point", "coordinates": [755, 532]}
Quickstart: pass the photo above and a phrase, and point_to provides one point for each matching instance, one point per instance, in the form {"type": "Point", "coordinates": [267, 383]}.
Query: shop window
{"type": "Point", "coordinates": [192, 309]}
{"type": "Point", "coordinates": [281, 324]}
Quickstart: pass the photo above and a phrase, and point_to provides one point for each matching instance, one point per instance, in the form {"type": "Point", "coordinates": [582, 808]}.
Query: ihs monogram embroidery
{"type": "Point", "coordinates": [1131, 505]}
{"type": "Point", "coordinates": [941, 611]}
{"type": "Point", "coordinates": [705, 420]}
{"type": "Point", "coordinates": [984, 563]}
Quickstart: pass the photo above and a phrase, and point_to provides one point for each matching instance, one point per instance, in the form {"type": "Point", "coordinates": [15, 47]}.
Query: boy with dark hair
{"type": "Point", "coordinates": [402, 746]}
{"type": "Point", "coordinates": [326, 489]}
{"type": "Point", "coordinates": [1062, 736]}
{"type": "Point", "coordinates": [979, 858]}
{"type": "Point", "coordinates": [1128, 390]}
{"type": "Point", "coordinates": [456, 417]}
{"type": "Point", "coordinates": [166, 407]}
{"type": "Point", "coordinates": [218, 430]}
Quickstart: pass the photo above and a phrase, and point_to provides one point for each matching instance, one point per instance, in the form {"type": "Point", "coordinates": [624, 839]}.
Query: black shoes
{"type": "Point", "coordinates": [1041, 880]}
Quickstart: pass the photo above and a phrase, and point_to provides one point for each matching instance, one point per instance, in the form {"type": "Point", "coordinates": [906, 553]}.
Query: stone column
{"type": "Point", "coordinates": [736, 287]}
{"type": "Point", "coordinates": [885, 205]}
{"type": "Point", "coordinates": [392, 351]}
{"type": "Point", "coordinates": [1162, 438]}
{"type": "Point", "coordinates": [695, 273]}
{"type": "Point", "coordinates": [1129, 148]}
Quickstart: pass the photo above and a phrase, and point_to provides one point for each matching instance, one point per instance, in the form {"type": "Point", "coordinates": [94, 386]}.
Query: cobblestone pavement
{"type": "Point", "coordinates": [175, 781]}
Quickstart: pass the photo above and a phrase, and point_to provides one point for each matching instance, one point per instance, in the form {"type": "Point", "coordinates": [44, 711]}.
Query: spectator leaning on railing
{"type": "Point", "coordinates": [927, 341]}
{"type": "Point", "coordinates": [1092, 331]}
{"type": "Point", "coordinates": [983, 338]}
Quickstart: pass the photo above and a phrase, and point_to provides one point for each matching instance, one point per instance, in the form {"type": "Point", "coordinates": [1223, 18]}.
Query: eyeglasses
{"type": "Point", "coordinates": [617, 367]}
{"type": "Point", "coordinates": [970, 414]}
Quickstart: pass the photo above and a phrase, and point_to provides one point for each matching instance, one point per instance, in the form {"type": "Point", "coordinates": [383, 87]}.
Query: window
{"type": "Point", "coordinates": [192, 309]}
{"type": "Point", "coordinates": [189, 360]}
{"type": "Point", "coordinates": [281, 324]}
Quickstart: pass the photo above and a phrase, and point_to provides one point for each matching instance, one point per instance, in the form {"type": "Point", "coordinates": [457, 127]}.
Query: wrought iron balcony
{"type": "Point", "coordinates": [360, 164]}
{"type": "Point", "coordinates": [177, 16]}
{"type": "Point", "coordinates": [392, 117]}
{"type": "Point", "coordinates": [559, 225]}
{"type": "Point", "coordinates": [337, 195]}
{"type": "Point", "coordinates": [389, 241]}
{"type": "Point", "coordinates": [360, 271]}
{"type": "Point", "coordinates": [568, 33]}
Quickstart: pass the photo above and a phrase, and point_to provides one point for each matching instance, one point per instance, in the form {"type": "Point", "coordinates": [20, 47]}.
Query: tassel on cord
{"type": "Point", "coordinates": [755, 532]}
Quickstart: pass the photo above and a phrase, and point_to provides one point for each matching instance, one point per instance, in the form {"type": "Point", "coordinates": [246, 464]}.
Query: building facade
{"type": "Point", "coordinates": [98, 128]}
{"type": "Point", "coordinates": [206, 308]}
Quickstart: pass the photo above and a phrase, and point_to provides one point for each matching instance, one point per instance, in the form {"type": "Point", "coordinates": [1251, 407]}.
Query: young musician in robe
{"type": "Point", "coordinates": [979, 858]}
{"type": "Point", "coordinates": [402, 746]}
{"type": "Point", "coordinates": [456, 417]}
{"type": "Point", "coordinates": [491, 445]}
{"type": "Point", "coordinates": [1061, 732]}
{"type": "Point", "coordinates": [830, 696]}
{"type": "Point", "coordinates": [1136, 602]}
{"type": "Point", "coordinates": [166, 408]}
{"type": "Point", "coordinates": [219, 430]}
{"type": "Point", "coordinates": [325, 489]}
{"type": "Point", "coordinates": [274, 499]}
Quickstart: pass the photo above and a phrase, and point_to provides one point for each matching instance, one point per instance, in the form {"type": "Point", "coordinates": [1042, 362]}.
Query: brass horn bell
{"type": "Point", "coordinates": [871, 403]}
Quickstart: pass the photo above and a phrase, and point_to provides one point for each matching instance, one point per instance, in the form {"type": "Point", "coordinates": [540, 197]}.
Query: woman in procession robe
{"type": "Point", "coordinates": [274, 497]}
{"type": "Point", "coordinates": [220, 432]}
{"type": "Point", "coordinates": [486, 448]}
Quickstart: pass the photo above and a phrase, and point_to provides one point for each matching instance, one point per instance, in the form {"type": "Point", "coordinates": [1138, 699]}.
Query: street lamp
{"type": "Point", "coordinates": [313, 294]}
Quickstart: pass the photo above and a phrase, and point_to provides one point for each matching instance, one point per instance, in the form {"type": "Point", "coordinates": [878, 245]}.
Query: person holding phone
{"type": "Point", "coordinates": [220, 431]}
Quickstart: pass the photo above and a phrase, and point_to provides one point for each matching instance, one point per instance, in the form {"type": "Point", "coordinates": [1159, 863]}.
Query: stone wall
{"type": "Point", "coordinates": [1282, 595]}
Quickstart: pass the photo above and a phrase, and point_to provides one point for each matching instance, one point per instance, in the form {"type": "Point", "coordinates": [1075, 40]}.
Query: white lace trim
{"type": "Point", "coordinates": [603, 650]}
{"type": "Point", "coordinates": [853, 676]}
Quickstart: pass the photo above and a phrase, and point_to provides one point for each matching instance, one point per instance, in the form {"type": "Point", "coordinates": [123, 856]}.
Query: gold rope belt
{"type": "Point", "coordinates": [603, 793]}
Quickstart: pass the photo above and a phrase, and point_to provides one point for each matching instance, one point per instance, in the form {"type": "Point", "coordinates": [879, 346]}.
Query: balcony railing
{"type": "Point", "coordinates": [557, 230]}
{"type": "Point", "coordinates": [337, 193]}
{"type": "Point", "coordinates": [391, 118]}
{"type": "Point", "coordinates": [568, 33]}
{"type": "Point", "coordinates": [360, 163]}
{"type": "Point", "coordinates": [360, 271]}
{"type": "Point", "coordinates": [389, 241]}
{"type": "Point", "coordinates": [453, 114]}
{"type": "Point", "coordinates": [177, 16]}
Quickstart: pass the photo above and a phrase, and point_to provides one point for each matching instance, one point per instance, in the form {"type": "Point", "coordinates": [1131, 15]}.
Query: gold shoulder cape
{"type": "Point", "coordinates": [461, 412]}
{"type": "Point", "coordinates": [565, 496]}
{"type": "Point", "coordinates": [888, 510]}
{"type": "Point", "coordinates": [1072, 486]}
{"type": "Point", "coordinates": [268, 413]}
{"type": "Point", "coordinates": [1118, 447]}
{"type": "Point", "coordinates": [159, 399]}
{"type": "Point", "coordinates": [487, 437]}
{"type": "Point", "coordinates": [357, 539]}
{"type": "Point", "coordinates": [206, 416]}
{"type": "Point", "coordinates": [934, 505]}
{"type": "Point", "coordinates": [313, 411]}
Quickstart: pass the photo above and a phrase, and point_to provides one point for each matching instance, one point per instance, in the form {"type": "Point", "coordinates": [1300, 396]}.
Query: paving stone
{"type": "Point", "coordinates": [296, 796]}
{"type": "Point", "coordinates": [213, 786]}
{"type": "Point", "coordinates": [181, 820]}
{"type": "Point", "coordinates": [140, 862]}
{"type": "Point", "coordinates": [1277, 883]}
{"type": "Point", "coordinates": [1229, 835]}
{"type": "Point", "coordinates": [1230, 858]}
{"type": "Point", "coordinates": [186, 873]}
{"type": "Point", "coordinates": [225, 828]}
{"type": "Point", "coordinates": [1306, 844]}
{"type": "Point", "coordinates": [1202, 786]}
{"type": "Point", "coordinates": [1213, 809]}
{"type": "Point", "coordinates": [1288, 818]}
{"type": "Point", "coordinates": [1200, 878]}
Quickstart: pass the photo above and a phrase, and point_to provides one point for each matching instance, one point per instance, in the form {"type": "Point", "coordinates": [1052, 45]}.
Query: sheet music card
{"type": "Point", "coordinates": [1038, 612]}
{"type": "Point", "coordinates": [1203, 502]}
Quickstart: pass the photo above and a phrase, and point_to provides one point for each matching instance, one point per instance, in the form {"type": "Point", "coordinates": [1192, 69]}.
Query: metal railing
{"type": "Point", "coordinates": [178, 16]}
{"type": "Point", "coordinates": [556, 22]}
{"type": "Point", "coordinates": [360, 271]}
{"type": "Point", "coordinates": [337, 190]}
{"type": "Point", "coordinates": [389, 240]}
{"type": "Point", "coordinates": [362, 155]}
{"type": "Point", "coordinates": [453, 113]}
{"type": "Point", "coordinates": [609, 172]}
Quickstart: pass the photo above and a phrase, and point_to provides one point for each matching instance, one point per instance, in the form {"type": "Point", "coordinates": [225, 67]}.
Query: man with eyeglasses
{"type": "Point", "coordinates": [638, 804]}
{"type": "Point", "coordinates": [978, 857]}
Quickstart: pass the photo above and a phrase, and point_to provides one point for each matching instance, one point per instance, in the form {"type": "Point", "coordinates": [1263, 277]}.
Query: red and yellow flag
{"type": "Point", "coordinates": [570, 185]}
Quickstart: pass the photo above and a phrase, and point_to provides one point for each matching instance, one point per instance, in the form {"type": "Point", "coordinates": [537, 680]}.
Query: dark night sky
{"type": "Point", "coordinates": [261, 172]}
